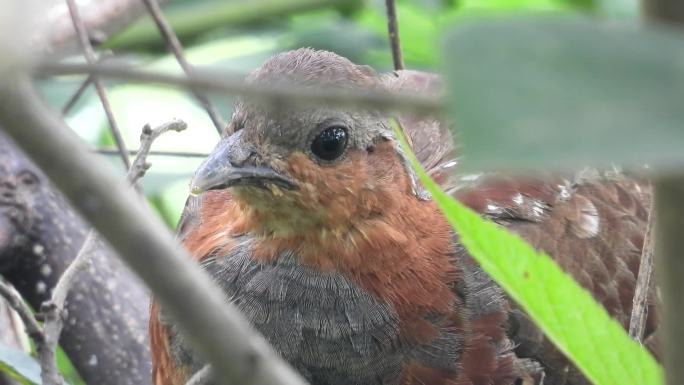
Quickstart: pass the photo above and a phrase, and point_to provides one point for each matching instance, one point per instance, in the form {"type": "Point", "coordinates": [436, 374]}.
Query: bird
{"type": "Point", "coordinates": [315, 225]}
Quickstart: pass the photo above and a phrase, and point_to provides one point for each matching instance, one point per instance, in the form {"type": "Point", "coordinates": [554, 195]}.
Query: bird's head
{"type": "Point", "coordinates": [293, 168]}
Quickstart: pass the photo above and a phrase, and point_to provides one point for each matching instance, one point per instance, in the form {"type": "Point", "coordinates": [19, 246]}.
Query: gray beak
{"type": "Point", "coordinates": [231, 164]}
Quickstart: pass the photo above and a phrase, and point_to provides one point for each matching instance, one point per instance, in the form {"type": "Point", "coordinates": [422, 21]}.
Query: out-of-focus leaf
{"type": "Point", "coordinates": [193, 19]}
{"type": "Point", "coordinates": [618, 9]}
{"type": "Point", "coordinates": [332, 32]}
{"type": "Point", "coordinates": [172, 202]}
{"type": "Point", "coordinates": [420, 27]}
{"type": "Point", "coordinates": [530, 93]}
{"type": "Point", "coordinates": [596, 343]}
{"type": "Point", "coordinates": [21, 366]}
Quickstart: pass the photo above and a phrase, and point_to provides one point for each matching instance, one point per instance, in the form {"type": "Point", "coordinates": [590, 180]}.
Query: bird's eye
{"type": "Point", "coordinates": [330, 143]}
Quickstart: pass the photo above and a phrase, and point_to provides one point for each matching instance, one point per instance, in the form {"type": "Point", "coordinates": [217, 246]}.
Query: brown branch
{"type": "Point", "coordinates": [89, 54]}
{"type": "Point", "coordinates": [290, 95]}
{"type": "Point", "coordinates": [214, 326]}
{"type": "Point", "coordinates": [176, 48]}
{"type": "Point", "coordinates": [637, 322]}
{"type": "Point", "coordinates": [393, 30]}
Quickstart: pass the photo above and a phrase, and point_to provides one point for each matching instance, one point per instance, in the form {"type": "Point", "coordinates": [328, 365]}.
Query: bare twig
{"type": "Point", "coordinates": [180, 154]}
{"type": "Point", "coordinates": [33, 328]}
{"type": "Point", "coordinates": [232, 84]}
{"type": "Point", "coordinates": [81, 89]}
{"type": "Point", "coordinates": [148, 136]}
{"type": "Point", "coordinates": [202, 377]}
{"type": "Point", "coordinates": [77, 95]}
{"type": "Point", "coordinates": [214, 326]}
{"type": "Point", "coordinates": [175, 46]}
{"type": "Point", "coordinates": [637, 322]}
{"type": "Point", "coordinates": [393, 29]}
{"type": "Point", "coordinates": [101, 92]}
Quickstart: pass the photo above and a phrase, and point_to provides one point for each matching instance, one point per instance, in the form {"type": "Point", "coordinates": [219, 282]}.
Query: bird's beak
{"type": "Point", "coordinates": [221, 170]}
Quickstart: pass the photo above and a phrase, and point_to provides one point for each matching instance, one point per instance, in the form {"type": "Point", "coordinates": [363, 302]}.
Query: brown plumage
{"type": "Point", "coordinates": [314, 224]}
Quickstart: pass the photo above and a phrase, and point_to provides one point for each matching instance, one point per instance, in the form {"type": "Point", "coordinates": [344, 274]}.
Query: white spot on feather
{"type": "Point", "coordinates": [494, 209]}
{"type": "Point", "coordinates": [470, 177]}
{"type": "Point", "coordinates": [588, 224]}
{"type": "Point", "coordinates": [450, 164]}
{"type": "Point", "coordinates": [563, 192]}
{"type": "Point", "coordinates": [518, 199]}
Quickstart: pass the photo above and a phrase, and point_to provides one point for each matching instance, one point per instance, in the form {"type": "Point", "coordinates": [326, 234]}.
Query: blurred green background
{"type": "Point", "coordinates": [238, 36]}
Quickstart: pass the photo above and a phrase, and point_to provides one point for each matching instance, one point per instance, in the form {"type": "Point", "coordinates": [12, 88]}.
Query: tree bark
{"type": "Point", "coordinates": [40, 234]}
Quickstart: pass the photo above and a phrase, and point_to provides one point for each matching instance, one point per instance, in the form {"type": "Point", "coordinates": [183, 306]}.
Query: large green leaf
{"type": "Point", "coordinates": [568, 315]}
{"type": "Point", "coordinates": [560, 93]}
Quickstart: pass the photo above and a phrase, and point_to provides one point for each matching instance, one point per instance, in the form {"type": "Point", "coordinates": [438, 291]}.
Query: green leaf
{"type": "Point", "coordinates": [67, 369]}
{"type": "Point", "coordinates": [20, 365]}
{"type": "Point", "coordinates": [596, 343]}
{"type": "Point", "coordinates": [566, 93]}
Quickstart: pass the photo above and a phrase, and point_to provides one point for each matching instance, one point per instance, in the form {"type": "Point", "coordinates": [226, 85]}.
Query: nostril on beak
{"type": "Point", "coordinates": [240, 156]}
{"type": "Point", "coordinates": [239, 152]}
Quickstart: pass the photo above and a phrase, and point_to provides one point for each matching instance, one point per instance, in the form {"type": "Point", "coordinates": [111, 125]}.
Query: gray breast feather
{"type": "Point", "coordinates": [329, 328]}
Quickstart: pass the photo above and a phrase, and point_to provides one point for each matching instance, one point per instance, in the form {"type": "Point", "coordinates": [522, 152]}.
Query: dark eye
{"type": "Point", "coordinates": [330, 143]}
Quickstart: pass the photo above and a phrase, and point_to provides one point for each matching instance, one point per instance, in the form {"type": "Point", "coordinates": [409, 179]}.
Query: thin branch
{"type": "Point", "coordinates": [77, 95]}
{"type": "Point", "coordinates": [81, 88]}
{"type": "Point", "coordinates": [202, 376]}
{"type": "Point", "coordinates": [212, 324]}
{"type": "Point", "coordinates": [175, 46]}
{"type": "Point", "coordinates": [33, 328]}
{"type": "Point", "coordinates": [637, 322]}
{"type": "Point", "coordinates": [101, 92]}
{"type": "Point", "coordinates": [276, 94]}
{"type": "Point", "coordinates": [393, 30]}
{"type": "Point", "coordinates": [180, 154]}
